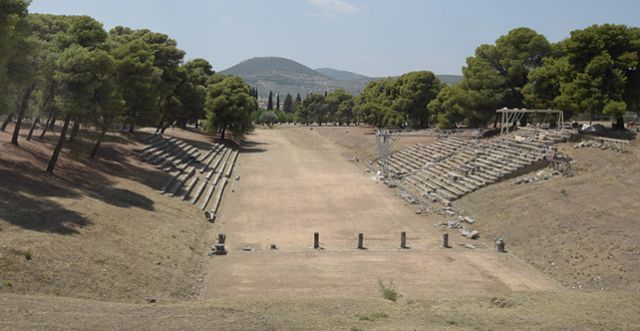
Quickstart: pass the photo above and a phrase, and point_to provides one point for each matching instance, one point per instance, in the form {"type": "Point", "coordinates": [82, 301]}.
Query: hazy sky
{"type": "Point", "coordinates": [372, 37]}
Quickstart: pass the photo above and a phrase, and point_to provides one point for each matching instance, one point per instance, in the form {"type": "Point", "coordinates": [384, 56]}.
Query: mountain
{"type": "Point", "coordinates": [281, 76]}
{"type": "Point", "coordinates": [341, 74]}
{"type": "Point", "coordinates": [271, 65]}
{"type": "Point", "coordinates": [284, 76]}
{"type": "Point", "coordinates": [450, 79]}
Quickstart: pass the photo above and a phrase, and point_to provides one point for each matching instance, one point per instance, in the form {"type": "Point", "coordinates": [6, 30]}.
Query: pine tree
{"type": "Point", "coordinates": [270, 102]}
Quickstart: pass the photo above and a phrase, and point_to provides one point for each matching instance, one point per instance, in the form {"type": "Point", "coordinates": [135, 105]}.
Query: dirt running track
{"type": "Point", "coordinates": [295, 182]}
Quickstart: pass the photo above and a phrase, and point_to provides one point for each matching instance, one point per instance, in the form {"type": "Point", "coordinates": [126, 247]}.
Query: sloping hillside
{"type": "Point", "coordinates": [273, 65]}
{"type": "Point", "coordinates": [97, 229]}
{"type": "Point", "coordinates": [580, 230]}
{"type": "Point", "coordinates": [450, 79]}
{"type": "Point", "coordinates": [281, 76]}
{"type": "Point", "coordinates": [342, 74]}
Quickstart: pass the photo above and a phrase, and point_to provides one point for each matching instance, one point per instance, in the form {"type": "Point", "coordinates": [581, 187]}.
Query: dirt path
{"type": "Point", "coordinates": [294, 183]}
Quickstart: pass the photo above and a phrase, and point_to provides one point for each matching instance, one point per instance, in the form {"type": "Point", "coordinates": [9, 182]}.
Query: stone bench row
{"type": "Point", "coordinates": [470, 167]}
{"type": "Point", "coordinates": [417, 156]}
{"type": "Point", "coordinates": [169, 153]}
{"type": "Point", "coordinates": [209, 179]}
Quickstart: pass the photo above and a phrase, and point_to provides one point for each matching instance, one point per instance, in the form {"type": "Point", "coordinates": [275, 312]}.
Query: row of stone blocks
{"type": "Point", "coordinates": [453, 167]}
{"type": "Point", "coordinates": [169, 153]}
{"type": "Point", "coordinates": [196, 177]}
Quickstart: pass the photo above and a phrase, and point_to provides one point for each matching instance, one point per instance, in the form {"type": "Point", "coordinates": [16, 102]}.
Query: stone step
{"type": "Point", "coordinates": [439, 185]}
{"type": "Point", "coordinates": [199, 191]}
{"type": "Point", "coordinates": [218, 198]}
{"type": "Point", "coordinates": [211, 158]}
{"type": "Point", "coordinates": [232, 162]}
{"type": "Point", "coordinates": [181, 182]}
{"type": "Point", "coordinates": [207, 197]}
{"type": "Point", "coordinates": [189, 187]}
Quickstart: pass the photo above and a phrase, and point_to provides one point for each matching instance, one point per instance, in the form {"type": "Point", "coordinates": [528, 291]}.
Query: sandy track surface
{"type": "Point", "coordinates": [293, 183]}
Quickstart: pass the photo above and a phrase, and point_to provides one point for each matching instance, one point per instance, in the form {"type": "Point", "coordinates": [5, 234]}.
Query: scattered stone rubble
{"type": "Point", "coordinates": [459, 223]}
{"type": "Point", "coordinates": [409, 198]}
{"type": "Point", "coordinates": [600, 145]}
{"type": "Point", "coordinates": [541, 175]}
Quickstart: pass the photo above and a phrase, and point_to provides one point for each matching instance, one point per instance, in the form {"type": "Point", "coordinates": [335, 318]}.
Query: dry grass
{"type": "Point", "coordinates": [581, 230]}
{"type": "Point", "coordinates": [558, 310]}
{"type": "Point", "coordinates": [99, 231]}
{"type": "Point", "coordinates": [97, 228]}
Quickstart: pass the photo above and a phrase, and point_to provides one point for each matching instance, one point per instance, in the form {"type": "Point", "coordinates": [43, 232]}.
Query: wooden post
{"type": "Point", "coordinates": [316, 240]}
{"type": "Point", "coordinates": [403, 240]}
{"type": "Point", "coordinates": [361, 241]}
{"type": "Point", "coordinates": [445, 240]}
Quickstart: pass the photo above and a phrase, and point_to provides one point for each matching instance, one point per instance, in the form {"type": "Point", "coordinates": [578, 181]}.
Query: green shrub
{"type": "Point", "coordinates": [388, 291]}
{"type": "Point", "coordinates": [27, 254]}
{"type": "Point", "coordinates": [374, 316]}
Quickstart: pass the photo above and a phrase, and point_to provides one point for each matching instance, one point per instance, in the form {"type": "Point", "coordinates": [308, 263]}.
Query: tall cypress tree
{"type": "Point", "coordinates": [270, 102]}
{"type": "Point", "coordinates": [287, 105]}
{"type": "Point", "coordinates": [277, 101]}
{"type": "Point", "coordinates": [297, 101]}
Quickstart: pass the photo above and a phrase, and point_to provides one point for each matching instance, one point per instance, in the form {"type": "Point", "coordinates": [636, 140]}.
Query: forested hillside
{"type": "Point", "coordinates": [284, 76]}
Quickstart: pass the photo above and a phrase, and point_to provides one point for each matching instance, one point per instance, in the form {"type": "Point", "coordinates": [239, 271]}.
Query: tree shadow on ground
{"type": "Point", "coordinates": [19, 207]}
{"type": "Point", "coordinates": [244, 150]}
{"type": "Point", "coordinates": [25, 181]}
{"type": "Point", "coordinates": [39, 214]}
{"type": "Point", "coordinates": [251, 146]}
{"type": "Point", "coordinates": [22, 177]}
{"type": "Point", "coordinates": [143, 138]}
{"type": "Point", "coordinates": [122, 198]}
{"type": "Point", "coordinates": [251, 143]}
{"type": "Point", "coordinates": [201, 145]}
{"type": "Point", "coordinates": [115, 161]}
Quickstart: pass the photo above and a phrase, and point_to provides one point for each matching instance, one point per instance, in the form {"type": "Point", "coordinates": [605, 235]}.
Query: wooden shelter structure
{"type": "Point", "coordinates": [510, 117]}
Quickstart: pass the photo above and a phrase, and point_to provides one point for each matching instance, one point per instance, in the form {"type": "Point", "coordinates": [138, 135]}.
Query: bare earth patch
{"type": "Point", "coordinates": [101, 239]}
{"type": "Point", "coordinates": [301, 184]}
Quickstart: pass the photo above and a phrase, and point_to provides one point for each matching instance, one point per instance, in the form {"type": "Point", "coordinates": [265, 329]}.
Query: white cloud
{"type": "Point", "coordinates": [342, 7]}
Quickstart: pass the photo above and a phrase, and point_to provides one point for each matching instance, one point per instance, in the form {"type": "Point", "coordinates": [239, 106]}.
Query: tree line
{"type": "Point", "coordinates": [336, 107]}
{"type": "Point", "coordinates": [390, 102]}
{"type": "Point", "coordinates": [594, 72]}
{"type": "Point", "coordinates": [68, 67]}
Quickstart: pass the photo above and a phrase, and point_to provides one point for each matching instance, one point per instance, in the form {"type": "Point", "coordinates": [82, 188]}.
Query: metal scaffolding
{"type": "Point", "coordinates": [512, 116]}
{"type": "Point", "coordinates": [385, 138]}
{"type": "Point", "coordinates": [382, 139]}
